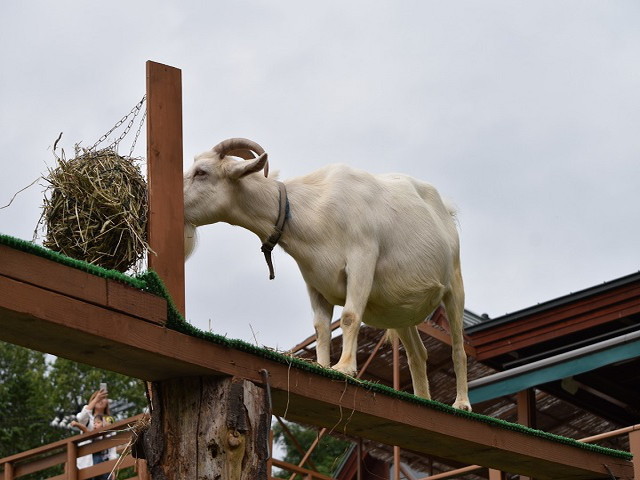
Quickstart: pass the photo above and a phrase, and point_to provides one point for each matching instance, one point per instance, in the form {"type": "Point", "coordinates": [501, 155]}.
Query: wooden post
{"type": "Point", "coordinates": [634, 448]}
{"type": "Point", "coordinates": [8, 471]}
{"type": "Point", "coordinates": [270, 459]}
{"type": "Point", "coordinates": [72, 467]}
{"type": "Point", "coordinates": [526, 401]}
{"type": "Point", "coordinates": [211, 427]}
{"type": "Point", "coordinates": [141, 469]}
{"type": "Point", "coordinates": [164, 168]}
{"type": "Point", "coordinates": [496, 475]}
{"type": "Point", "coordinates": [526, 404]}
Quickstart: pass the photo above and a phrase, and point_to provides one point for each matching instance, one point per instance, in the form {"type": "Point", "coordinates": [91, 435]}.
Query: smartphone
{"type": "Point", "coordinates": [103, 386]}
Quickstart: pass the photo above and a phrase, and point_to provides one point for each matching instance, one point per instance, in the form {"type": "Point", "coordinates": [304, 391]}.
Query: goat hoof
{"type": "Point", "coordinates": [462, 405]}
{"type": "Point", "coordinates": [347, 370]}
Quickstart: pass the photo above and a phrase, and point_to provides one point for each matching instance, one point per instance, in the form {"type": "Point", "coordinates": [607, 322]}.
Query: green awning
{"type": "Point", "coordinates": [558, 367]}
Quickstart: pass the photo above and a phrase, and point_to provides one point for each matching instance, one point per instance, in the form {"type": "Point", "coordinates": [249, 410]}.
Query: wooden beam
{"type": "Point", "coordinates": [454, 473]}
{"type": "Point", "coordinates": [33, 315]}
{"type": "Point", "coordinates": [74, 283]}
{"type": "Point", "coordinates": [526, 404]}
{"type": "Point", "coordinates": [164, 166]}
{"type": "Point", "coordinates": [634, 447]}
{"type": "Point", "coordinates": [544, 324]}
{"type": "Point", "coordinates": [444, 337]}
{"type": "Point", "coordinates": [554, 368]}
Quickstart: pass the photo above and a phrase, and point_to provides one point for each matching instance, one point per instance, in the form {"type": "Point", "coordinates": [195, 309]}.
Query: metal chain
{"type": "Point", "coordinates": [135, 139]}
{"type": "Point", "coordinates": [134, 111]}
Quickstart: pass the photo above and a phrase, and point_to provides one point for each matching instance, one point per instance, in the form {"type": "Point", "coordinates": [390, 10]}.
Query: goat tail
{"type": "Point", "coordinates": [453, 211]}
{"type": "Point", "coordinates": [451, 207]}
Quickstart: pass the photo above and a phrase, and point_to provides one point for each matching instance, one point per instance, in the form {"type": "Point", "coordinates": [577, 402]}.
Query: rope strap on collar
{"type": "Point", "coordinates": [272, 241]}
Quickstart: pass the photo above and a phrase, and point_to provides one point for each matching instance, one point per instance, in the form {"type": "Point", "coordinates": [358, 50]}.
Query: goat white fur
{"type": "Point", "coordinates": [383, 246]}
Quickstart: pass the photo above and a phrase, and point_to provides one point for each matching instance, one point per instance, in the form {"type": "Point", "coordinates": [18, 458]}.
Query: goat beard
{"type": "Point", "coordinates": [190, 239]}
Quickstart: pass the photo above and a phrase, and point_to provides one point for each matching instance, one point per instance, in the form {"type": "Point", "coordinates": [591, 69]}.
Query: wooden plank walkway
{"type": "Point", "coordinates": [56, 309]}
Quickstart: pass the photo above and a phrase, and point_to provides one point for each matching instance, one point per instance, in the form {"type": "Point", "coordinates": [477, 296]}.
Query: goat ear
{"type": "Point", "coordinates": [246, 167]}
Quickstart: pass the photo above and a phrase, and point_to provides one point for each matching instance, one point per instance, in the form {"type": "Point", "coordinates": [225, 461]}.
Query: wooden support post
{"type": "Point", "coordinates": [496, 475]}
{"type": "Point", "coordinates": [634, 448]}
{"type": "Point", "coordinates": [141, 469]}
{"type": "Point", "coordinates": [210, 427]}
{"type": "Point", "coordinates": [8, 471]}
{"type": "Point", "coordinates": [526, 404]}
{"type": "Point", "coordinates": [526, 401]}
{"type": "Point", "coordinates": [164, 166]}
{"type": "Point", "coordinates": [270, 459]}
{"type": "Point", "coordinates": [72, 467]}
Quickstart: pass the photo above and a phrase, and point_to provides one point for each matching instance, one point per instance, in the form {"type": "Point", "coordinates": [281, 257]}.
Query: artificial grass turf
{"type": "Point", "coordinates": [151, 282]}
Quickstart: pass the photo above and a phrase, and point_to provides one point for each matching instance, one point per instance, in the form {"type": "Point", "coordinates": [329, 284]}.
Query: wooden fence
{"type": "Point", "coordinates": [57, 461]}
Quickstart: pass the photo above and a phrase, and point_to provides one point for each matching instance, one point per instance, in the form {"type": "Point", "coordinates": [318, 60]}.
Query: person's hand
{"type": "Point", "coordinates": [79, 426]}
{"type": "Point", "coordinates": [101, 395]}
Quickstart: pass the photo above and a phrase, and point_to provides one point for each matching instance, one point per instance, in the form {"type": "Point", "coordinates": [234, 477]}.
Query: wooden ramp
{"type": "Point", "coordinates": [104, 320]}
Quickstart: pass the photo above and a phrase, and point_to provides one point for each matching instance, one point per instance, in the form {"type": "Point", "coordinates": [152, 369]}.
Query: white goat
{"type": "Point", "coordinates": [383, 246]}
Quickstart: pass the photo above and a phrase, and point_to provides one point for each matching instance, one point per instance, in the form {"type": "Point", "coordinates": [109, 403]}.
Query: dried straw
{"type": "Point", "coordinates": [134, 447]}
{"type": "Point", "coordinates": [97, 209]}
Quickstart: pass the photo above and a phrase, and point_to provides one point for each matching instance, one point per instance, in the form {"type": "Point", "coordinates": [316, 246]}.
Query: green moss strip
{"type": "Point", "coordinates": [151, 282]}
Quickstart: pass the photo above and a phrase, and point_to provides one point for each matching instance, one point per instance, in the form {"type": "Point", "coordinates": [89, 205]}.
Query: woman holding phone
{"type": "Point", "coordinates": [98, 405]}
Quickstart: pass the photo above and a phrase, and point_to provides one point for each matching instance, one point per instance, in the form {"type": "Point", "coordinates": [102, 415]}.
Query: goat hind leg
{"type": "Point", "coordinates": [417, 359]}
{"type": "Point", "coordinates": [454, 306]}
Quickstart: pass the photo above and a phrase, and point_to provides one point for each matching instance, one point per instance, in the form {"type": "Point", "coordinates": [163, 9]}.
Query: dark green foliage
{"type": "Point", "coordinates": [124, 473]}
{"type": "Point", "coordinates": [34, 391]}
{"type": "Point", "coordinates": [71, 380]}
{"type": "Point", "coordinates": [326, 457]}
{"type": "Point", "coordinates": [25, 406]}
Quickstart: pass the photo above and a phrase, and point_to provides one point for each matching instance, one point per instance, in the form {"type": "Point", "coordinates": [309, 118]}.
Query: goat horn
{"type": "Point", "coordinates": [241, 147]}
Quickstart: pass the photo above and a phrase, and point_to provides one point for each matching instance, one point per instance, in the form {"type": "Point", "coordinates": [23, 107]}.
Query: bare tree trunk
{"type": "Point", "coordinates": [209, 428]}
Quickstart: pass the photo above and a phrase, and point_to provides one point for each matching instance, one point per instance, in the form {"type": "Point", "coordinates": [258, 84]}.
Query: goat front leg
{"type": "Point", "coordinates": [360, 270]}
{"type": "Point", "coordinates": [322, 312]}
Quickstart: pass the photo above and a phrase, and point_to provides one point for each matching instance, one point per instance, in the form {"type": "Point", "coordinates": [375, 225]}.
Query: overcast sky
{"type": "Point", "coordinates": [525, 114]}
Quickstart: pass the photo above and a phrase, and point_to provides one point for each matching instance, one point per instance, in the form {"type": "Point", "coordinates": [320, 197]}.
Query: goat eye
{"type": "Point", "coordinates": [199, 173]}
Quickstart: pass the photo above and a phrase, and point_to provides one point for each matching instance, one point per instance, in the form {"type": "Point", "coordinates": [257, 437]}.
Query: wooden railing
{"type": "Point", "coordinates": [298, 472]}
{"type": "Point", "coordinates": [634, 446]}
{"type": "Point", "coordinates": [60, 457]}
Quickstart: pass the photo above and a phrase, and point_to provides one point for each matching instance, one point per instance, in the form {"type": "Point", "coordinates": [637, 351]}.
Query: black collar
{"type": "Point", "coordinates": [272, 241]}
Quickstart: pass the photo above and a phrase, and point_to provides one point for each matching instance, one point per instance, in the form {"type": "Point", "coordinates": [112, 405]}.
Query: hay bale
{"type": "Point", "coordinates": [97, 209]}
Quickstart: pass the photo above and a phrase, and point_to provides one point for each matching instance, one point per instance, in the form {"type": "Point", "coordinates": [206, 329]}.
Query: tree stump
{"type": "Point", "coordinates": [213, 428]}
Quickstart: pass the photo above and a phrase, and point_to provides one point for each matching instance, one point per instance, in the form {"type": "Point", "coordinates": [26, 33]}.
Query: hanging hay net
{"type": "Point", "coordinates": [95, 206]}
{"type": "Point", "coordinates": [97, 209]}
